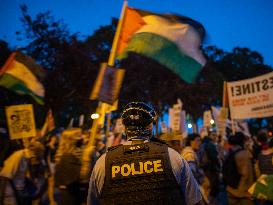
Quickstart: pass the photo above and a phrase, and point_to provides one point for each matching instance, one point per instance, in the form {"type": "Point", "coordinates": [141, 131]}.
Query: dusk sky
{"type": "Point", "coordinates": [229, 23]}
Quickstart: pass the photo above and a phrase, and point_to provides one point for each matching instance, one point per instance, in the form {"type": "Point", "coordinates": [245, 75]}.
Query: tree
{"type": "Point", "coordinates": [73, 64]}
{"type": "Point", "coordinates": [70, 70]}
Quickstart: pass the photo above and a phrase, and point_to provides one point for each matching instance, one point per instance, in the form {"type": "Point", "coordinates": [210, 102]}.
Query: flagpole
{"type": "Point", "coordinates": [111, 62]}
{"type": "Point", "coordinates": [224, 100]}
{"type": "Point", "coordinates": [225, 104]}
{"type": "Point", "coordinates": [8, 62]}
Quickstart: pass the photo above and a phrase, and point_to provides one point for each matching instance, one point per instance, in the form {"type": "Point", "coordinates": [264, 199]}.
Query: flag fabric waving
{"type": "Point", "coordinates": [174, 41]}
{"type": "Point", "coordinates": [21, 75]}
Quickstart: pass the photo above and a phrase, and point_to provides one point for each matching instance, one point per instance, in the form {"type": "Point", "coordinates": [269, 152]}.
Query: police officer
{"type": "Point", "coordinates": [141, 171]}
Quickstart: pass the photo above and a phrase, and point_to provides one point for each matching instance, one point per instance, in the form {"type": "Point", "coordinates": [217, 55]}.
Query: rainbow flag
{"type": "Point", "coordinates": [173, 41]}
{"type": "Point", "coordinates": [21, 75]}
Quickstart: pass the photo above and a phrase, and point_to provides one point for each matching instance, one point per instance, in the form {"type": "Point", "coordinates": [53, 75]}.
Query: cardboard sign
{"type": "Point", "coordinates": [207, 118]}
{"type": "Point", "coordinates": [108, 84]}
{"type": "Point", "coordinates": [177, 117]}
{"type": "Point", "coordinates": [220, 116]}
{"type": "Point", "coordinates": [21, 121]}
{"type": "Point", "coordinates": [251, 98]}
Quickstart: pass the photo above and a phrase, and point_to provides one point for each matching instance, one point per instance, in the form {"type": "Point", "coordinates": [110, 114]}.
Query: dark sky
{"type": "Point", "coordinates": [229, 23]}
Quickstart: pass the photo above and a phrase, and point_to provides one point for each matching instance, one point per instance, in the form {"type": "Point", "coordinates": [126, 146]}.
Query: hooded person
{"type": "Point", "coordinates": [140, 171]}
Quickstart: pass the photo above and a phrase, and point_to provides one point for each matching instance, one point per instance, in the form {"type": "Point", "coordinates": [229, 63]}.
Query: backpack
{"type": "Point", "coordinates": [231, 176]}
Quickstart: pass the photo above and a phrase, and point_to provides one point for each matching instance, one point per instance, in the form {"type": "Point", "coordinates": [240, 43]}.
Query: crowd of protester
{"type": "Point", "coordinates": [56, 169]}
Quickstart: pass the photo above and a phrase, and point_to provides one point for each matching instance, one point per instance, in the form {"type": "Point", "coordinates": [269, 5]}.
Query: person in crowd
{"type": "Point", "coordinates": [265, 160]}
{"type": "Point", "coordinates": [118, 132]}
{"type": "Point", "coordinates": [140, 171]}
{"type": "Point", "coordinates": [241, 177]}
{"type": "Point", "coordinates": [51, 149]}
{"type": "Point", "coordinates": [264, 165]}
{"type": "Point", "coordinates": [189, 153]}
{"type": "Point", "coordinates": [68, 166]}
{"type": "Point", "coordinates": [211, 165]}
{"type": "Point", "coordinates": [4, 146]}
{"type": "Point", "coordinates": [259, 144]}
{"type": "Point", "coordinates": [21, 178]}
{"type": "Point", "coordinates": [89, 158]}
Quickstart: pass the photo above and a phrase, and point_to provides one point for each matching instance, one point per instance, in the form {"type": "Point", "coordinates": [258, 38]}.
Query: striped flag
{"type": "Point", "coordinates": [21, 75]}
{"type": "Point", "coordinates": [173, 41]}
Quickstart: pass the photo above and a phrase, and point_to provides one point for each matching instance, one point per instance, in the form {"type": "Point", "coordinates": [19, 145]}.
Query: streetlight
{"type": "Point", "coordinates": [95, 116]}
{"type": "Point", "coordinates": [189, 125]}
{"type": "Point", "coordinates": [211, 121]}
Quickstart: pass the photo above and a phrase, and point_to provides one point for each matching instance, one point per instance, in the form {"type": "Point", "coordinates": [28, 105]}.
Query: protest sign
{"type": "Point", "coordinates": [220, 116]}
{"type": "Point", "coordinates": [222, 121]}
{"type": "Point", "coordinates": [176, 117]}
{"type": "Point", "coordinates": [21, 122]}
{"type": "Point", "coordinates": [251, 98]}
{"type": "Point", "coordinates": [108, 84]}
{"type": "Point", "coordinates": [207, 118]}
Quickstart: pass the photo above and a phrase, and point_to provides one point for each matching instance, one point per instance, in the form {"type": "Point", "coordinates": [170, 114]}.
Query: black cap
{"type": "Point", "coordinates": [138, 114]}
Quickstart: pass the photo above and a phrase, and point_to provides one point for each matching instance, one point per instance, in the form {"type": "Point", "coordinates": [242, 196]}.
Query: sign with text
{"type": "Point", "coordinates": [251, 98]}
{"type": "Point", "coordinates": [108, 84]}
{"type": "Point", "coordinates": [21, 121]}
{"type": "Point", "coordinates": [207, 117]}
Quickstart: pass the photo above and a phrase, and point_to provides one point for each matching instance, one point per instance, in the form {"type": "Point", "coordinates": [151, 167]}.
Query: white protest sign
{"type": "Point", "coordinates": [21, 121]}
{"type": "Point", "coordinates": [251, 98]}
{"type": "Point", "coordinates": [176, 117]}
{"type": "Point", "coordinates": [222, 121]}
{"type": "Point", "coordinates": [207, 118]}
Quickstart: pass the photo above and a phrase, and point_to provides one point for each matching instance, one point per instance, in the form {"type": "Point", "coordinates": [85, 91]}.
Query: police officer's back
{"type": "Point", "coordinates": [142, 172]}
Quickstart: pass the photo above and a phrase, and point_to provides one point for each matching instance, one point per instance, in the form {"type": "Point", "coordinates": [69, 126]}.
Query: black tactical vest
{"type": "Point", "coordinates": [140, 174]}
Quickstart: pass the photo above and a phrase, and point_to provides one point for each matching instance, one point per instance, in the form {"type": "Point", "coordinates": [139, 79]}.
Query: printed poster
{"type": "Point", "coordinates": [251, 98]}
{"type": "Point", "coordinates": [21, 122]}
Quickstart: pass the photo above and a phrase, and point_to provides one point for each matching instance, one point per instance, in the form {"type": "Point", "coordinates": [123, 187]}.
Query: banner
{"type": "Point", "coordinates": [251, 98]}
{"type": "Point", "coordinates": [21, 122]}
{"type": "Point", "coordinates": [108, 84]}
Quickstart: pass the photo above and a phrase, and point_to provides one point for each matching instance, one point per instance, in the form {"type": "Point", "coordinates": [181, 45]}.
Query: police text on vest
{"type": "Point", "coordinates": [145, 167]}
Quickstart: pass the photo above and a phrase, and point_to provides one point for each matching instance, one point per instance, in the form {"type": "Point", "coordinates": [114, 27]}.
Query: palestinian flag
{"type": "Point", "coordinates": [174, 41]}
{"type": "Point", "coordinates": [22, 75]}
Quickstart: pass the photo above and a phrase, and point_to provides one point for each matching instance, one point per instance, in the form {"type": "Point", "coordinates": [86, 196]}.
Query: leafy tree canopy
{"type": "Point", "coordinates": [72, 66]}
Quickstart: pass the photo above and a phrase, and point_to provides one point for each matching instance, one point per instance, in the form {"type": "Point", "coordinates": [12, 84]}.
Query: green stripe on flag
{"type": "Point", "coordinates": [18, 86]}
{"type": "Point", "coordinates": [166, 53]}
